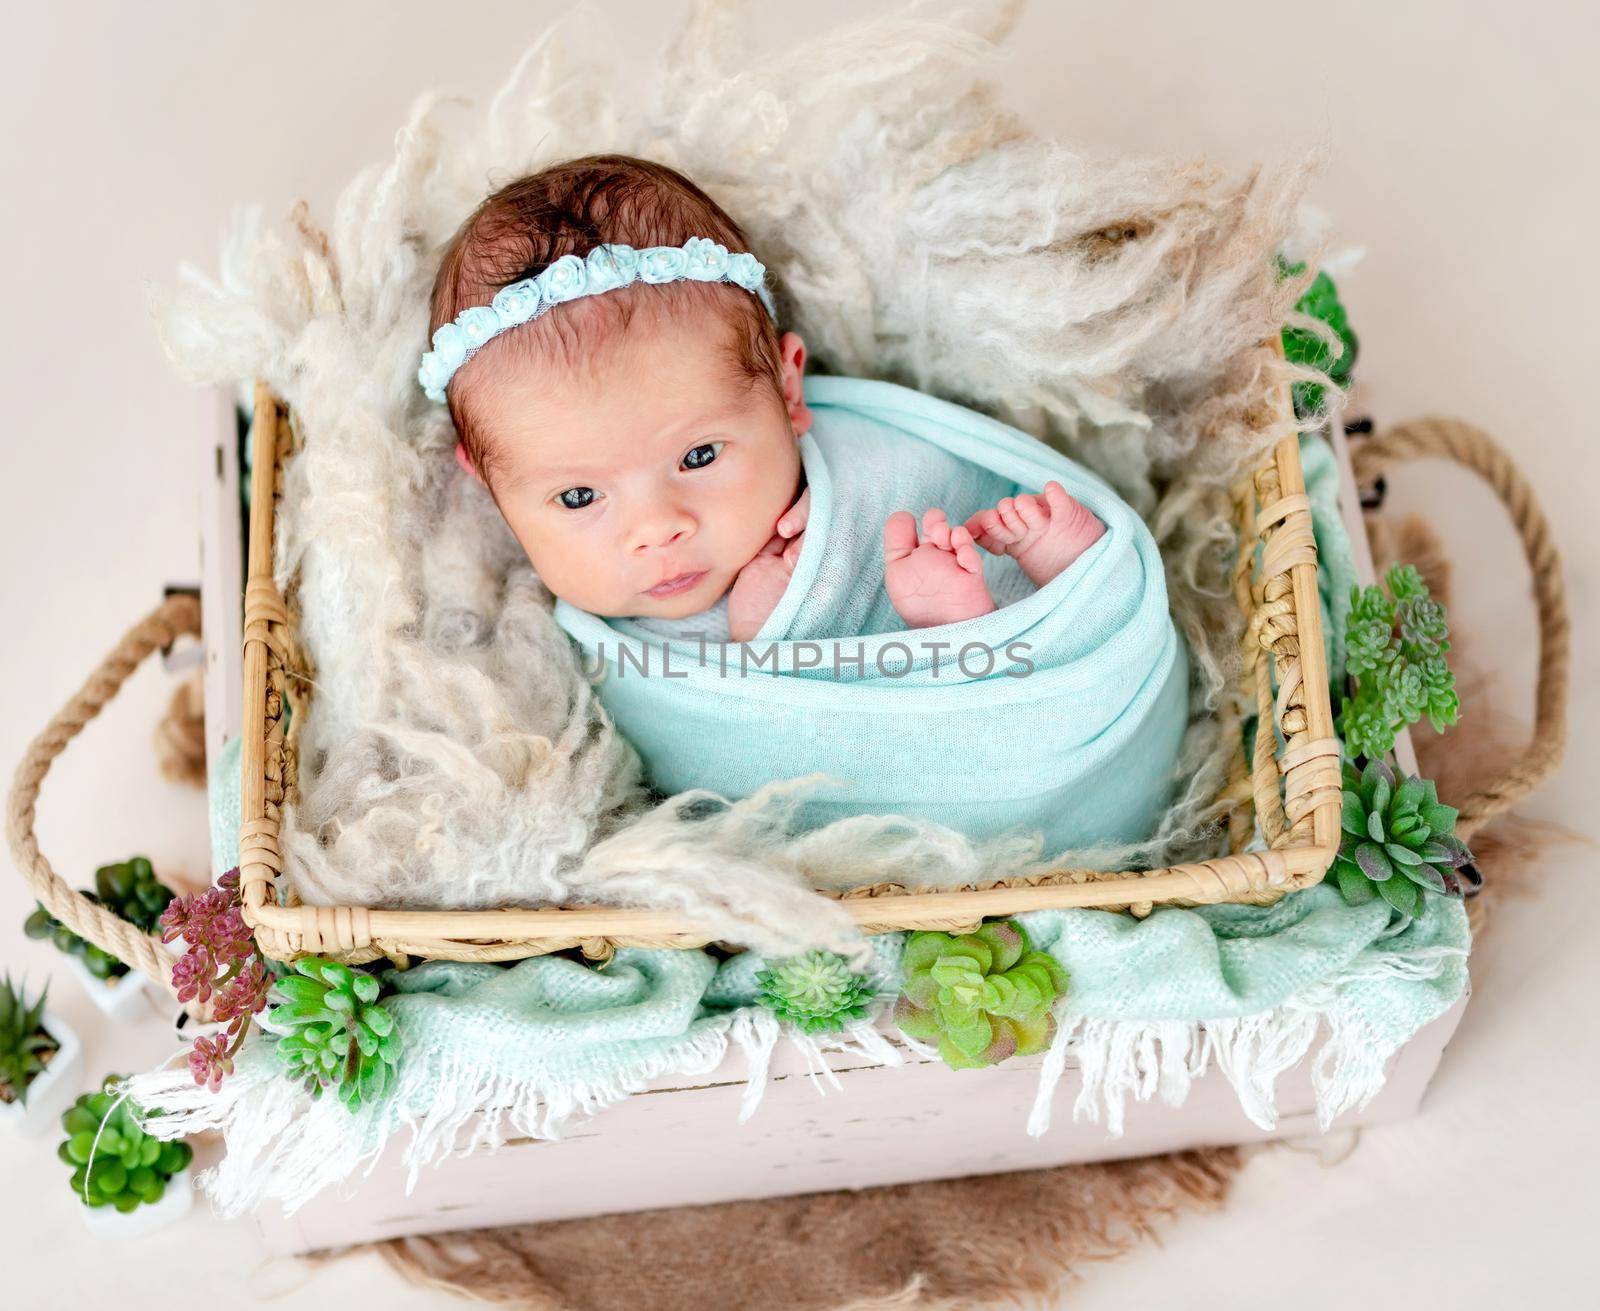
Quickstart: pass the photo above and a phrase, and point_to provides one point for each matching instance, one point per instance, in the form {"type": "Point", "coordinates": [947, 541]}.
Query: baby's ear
{"type": "Point", "coordinates": [792, 356]}
{"type": "Point", "coordinates": [465, 461]}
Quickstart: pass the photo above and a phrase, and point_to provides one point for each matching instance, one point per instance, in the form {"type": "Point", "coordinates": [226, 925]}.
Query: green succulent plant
{"type": "Point", "coordinates": [983, 997]}
{"type": "Point", "coordinates": [1398, 841]}
{"type": "Point", "coordinates": [1395, 645]}
{"type": "Point", "coordinates": [114, 1162]}
{"type": "Point", "coordinates": [25, 1047]}
{"type": "Point", "coordinates": [1302, 346]}
{"type": "Point", "coordinates": [816, 991]}
{"type": "Point", "coordinates": [336, 1033]}
{"type": "Point", "coordinates": [131, 889]}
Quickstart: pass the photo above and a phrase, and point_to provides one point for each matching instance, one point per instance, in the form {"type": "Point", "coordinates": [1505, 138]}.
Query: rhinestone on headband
{"type": "Point", "coordinates": [605, 268]}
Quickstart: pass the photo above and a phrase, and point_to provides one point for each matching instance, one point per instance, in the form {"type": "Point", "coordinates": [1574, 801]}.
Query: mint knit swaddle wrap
{"type": "Point", "coordinates": [1082, 747]}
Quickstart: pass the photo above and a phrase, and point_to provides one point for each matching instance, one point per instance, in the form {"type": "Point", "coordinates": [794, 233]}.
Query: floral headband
{"type": "Point", "coordinates": [605, 268]}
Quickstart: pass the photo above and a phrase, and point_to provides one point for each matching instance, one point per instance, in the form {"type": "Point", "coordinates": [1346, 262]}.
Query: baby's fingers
{"type": "Point", "coordinates": [899, 535]}
{"type": "Point", "coordinates": [791, 552]}
{"type": "Point", "coordinates": [936, 528]}
{"type": "Point", "coordinates": [794, 518]}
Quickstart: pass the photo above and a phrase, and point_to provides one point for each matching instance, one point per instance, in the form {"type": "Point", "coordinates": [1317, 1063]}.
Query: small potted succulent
{"type": "Point", "coordinates": [41, 1061]}
{"type": "Point", "coordinates": [1395, 645]}
{"type": "Point", "coordinates": [1398, 842]}
{"type": "Point", "coordinates": [817, 992]}
{"type": "Point", "coordinates": [129, 1182]}
{"type": "Point", "coordinates": [982, 997]}
{"type": "Point", "coordinates": [132, 890]}
{"type": "Point", "coordinates": [334, 1032]}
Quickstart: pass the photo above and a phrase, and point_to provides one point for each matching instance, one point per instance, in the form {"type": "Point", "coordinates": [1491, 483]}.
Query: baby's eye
{"type": "Point", "coordinates": [575, 498]}
{"type": "Point", "coordinates": [702, 455]}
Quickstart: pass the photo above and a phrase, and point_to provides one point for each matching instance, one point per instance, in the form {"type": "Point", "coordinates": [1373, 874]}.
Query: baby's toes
{"type": "Point", "coordinates": [987, 531]}
{"type": "Point", "coordinates": [1061, 505]}
{"type": "Point", "coordinates": [1034, 513]}
{"type": "Point", "coordinates": [1072, 517]}
{"type": "Point", "coordinates": [899, 535]}
{"type": "Point", "coordinates": [966, 553]}
{"type": "Point", "coordinates": [1009, 516]}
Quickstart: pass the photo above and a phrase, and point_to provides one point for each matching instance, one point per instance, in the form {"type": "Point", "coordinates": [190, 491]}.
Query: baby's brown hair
{"type": "Point", "coordinates": [569, 208]}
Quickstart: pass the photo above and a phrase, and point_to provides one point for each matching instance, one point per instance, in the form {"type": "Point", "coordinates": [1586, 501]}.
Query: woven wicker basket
{"type": "Point", "coordinates": [1294, 795]}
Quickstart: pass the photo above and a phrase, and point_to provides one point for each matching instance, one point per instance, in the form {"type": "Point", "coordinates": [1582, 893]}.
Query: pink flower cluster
{"type": "Point", "coordinates": [210, 1062]}
{"type": "Point", "coordinates": [220, 965]}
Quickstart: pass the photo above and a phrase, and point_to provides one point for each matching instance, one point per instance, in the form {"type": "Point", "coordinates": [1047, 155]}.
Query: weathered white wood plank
{"type": "Point", "coordinates": [680, 1144]}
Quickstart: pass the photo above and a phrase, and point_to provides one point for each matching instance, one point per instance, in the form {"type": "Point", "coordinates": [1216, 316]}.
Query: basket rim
{"type": "Point", "coordinates": [1285, 676]}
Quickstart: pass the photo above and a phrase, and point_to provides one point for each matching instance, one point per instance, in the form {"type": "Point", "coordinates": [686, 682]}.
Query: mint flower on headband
{"type": "Point", "coordinates": [605, 268]}
{"type": "Point", "coordinates": [450, 345]}
{"type": "Point", "coordinates": [563, 280]}
{"type": "Point", "coordinates": [706, 261]}
{"type": "Point", "coordinates": [517, 303]}
{"type": "Point", "coordinates": [663, 264]}
{"type": "Point", "coordinates": [610, 267]}
{"type": "Point", "coordinates": [477, 325]}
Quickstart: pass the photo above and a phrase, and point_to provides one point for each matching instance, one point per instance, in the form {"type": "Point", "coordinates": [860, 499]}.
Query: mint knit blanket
{"type": "Point", "coordinates": [1060, 712]}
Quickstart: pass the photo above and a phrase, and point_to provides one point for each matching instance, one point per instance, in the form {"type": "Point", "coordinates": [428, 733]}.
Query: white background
{"type": "Point", "coordinates": [1464, 161]}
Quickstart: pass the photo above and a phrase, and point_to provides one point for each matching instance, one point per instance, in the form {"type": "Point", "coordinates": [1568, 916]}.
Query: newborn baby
{"type": "Point", "coordinates": [638, 423]}
{"type": "Point", "coordinates": [613, 363]}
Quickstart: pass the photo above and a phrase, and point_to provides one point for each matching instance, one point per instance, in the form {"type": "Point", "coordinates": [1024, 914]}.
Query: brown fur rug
{"type": "Point", "coordinates": [945, 1245]}
{"type": "Point", "coordinates": [996, 1241]}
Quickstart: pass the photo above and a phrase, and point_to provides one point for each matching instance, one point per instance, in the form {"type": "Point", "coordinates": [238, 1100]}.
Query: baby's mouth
{"type": "Point", "coordinates": [680, 583]}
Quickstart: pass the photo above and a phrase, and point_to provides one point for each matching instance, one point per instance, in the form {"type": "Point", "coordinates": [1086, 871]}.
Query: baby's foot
{"type": "Point", "coordinates": [759, 586]}
{"type": "Point", "coordinates": [1044, 534]}
{"type": "Point", "coordinates": [936, 581]}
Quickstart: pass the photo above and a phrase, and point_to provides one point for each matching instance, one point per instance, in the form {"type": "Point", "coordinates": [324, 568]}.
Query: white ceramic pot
{"type": "Point", "coordinates": [52, 1091]}
{"type": "Point", "coordinates": [175, 1203]}
{"type": "Point", "coordinates": [125, 996]}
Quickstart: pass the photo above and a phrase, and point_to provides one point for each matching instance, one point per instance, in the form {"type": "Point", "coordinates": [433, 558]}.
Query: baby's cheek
{"type": "Point", "coordinates": [572, 572]}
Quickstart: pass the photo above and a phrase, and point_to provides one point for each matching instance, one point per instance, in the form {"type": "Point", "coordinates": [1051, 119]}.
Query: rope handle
{"type": "Point", "coordinates": [1471, 447]}
{"type": "Point", "coordinates": [175, 617]}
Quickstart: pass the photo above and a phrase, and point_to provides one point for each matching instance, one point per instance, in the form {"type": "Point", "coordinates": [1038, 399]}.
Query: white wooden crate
{"type": "Point", "coordinates": [679, 1142]}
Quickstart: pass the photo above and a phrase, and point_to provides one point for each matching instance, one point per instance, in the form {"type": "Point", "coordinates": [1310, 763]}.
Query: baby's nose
{"type": "Point", "coordinates": [664, 529]}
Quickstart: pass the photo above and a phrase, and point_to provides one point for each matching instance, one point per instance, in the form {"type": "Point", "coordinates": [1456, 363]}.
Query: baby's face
{"type": "Point", "coordinates": [641, 482]}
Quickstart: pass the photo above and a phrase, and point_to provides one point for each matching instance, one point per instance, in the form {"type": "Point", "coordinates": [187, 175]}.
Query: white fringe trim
{"type": "Point", "coordinates": [284, 1145]}
{"type": "Point", "coordinates": [757, 1032]}
{"type": "Point", "coordinates": [1119, 1059]}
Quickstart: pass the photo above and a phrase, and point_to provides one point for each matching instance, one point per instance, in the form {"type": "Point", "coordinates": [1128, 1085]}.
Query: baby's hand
{"type": "Point", "coordinates": [1043, 534]}
{"type": "Point", "coordinates": [793, 522]}
{"type": "Point", "coordinates": [755, 592]}
{"type": "Point", "coordinates": [936, 581]}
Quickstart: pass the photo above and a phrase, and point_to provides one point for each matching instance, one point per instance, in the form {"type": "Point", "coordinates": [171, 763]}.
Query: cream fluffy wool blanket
{"type": "Point", "coordinates": [454, 755]}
